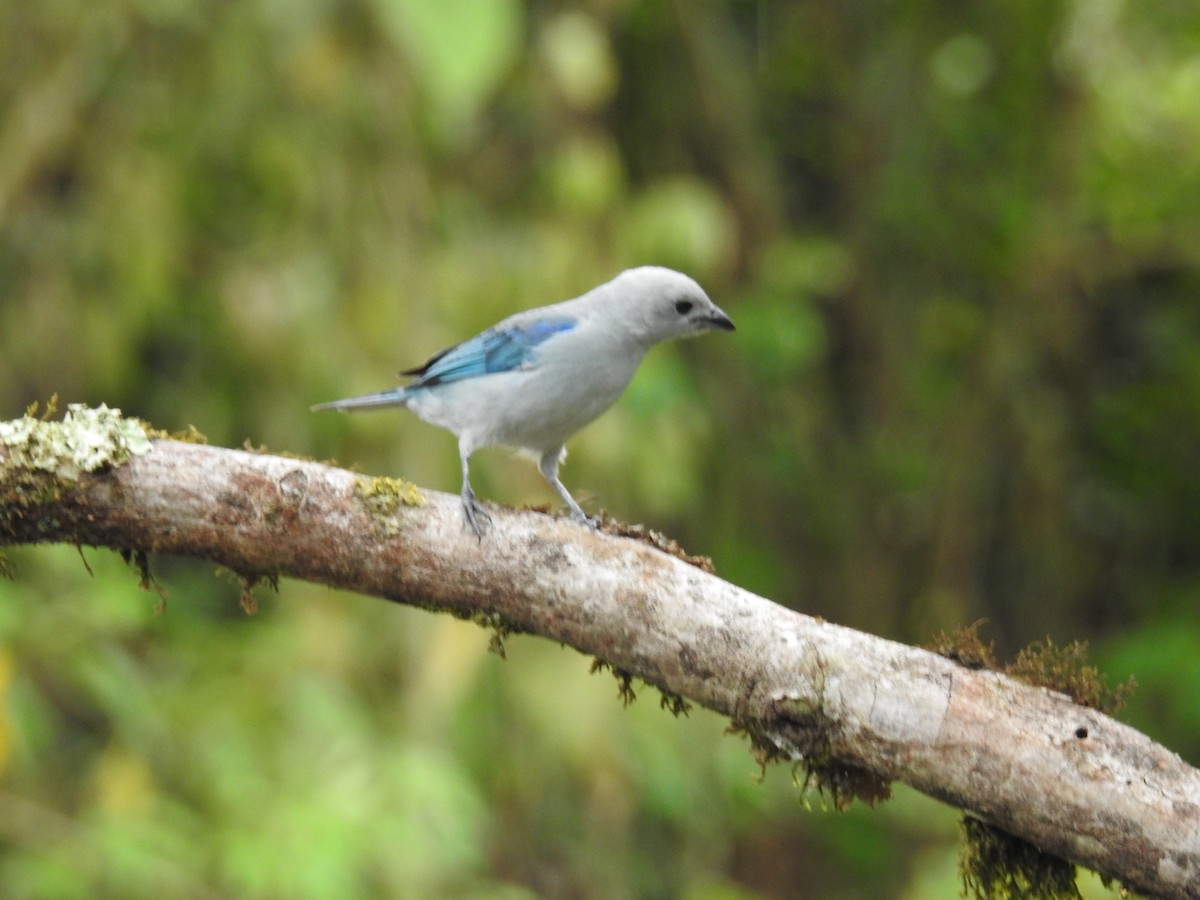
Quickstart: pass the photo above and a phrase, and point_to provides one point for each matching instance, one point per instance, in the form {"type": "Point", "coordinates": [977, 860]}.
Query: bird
{"type": "Point", "coordinates": [534, 379]}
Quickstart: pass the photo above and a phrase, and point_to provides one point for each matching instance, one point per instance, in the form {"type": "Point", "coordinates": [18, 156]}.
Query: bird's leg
{"type": "Point", "coordinates": [474, 514]}
{"type": "Point", "coordinates": [548, 464]}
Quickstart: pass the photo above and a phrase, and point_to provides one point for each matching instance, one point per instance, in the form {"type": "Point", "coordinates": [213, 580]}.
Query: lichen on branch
{"type": "Point", "coordinates": [85, 440]}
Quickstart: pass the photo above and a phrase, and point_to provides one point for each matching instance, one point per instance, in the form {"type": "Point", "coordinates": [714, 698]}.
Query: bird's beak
{"type": "Point", "coordinates": [718, 319]}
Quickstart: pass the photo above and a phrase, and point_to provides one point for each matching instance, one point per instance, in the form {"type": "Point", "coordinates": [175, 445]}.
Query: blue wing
{"type": "Point", "coordinates": [495, 350]}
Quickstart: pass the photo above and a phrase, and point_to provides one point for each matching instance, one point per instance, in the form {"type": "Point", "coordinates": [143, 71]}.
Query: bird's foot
{"type": "Point", "coordinates": [578, 515]}
{"type": "Point", "coordinates": [475, 515]}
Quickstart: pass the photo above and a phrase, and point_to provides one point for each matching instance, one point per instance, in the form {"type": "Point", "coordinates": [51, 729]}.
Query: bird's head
{"type": "Point", "coordinates": [661, 304]}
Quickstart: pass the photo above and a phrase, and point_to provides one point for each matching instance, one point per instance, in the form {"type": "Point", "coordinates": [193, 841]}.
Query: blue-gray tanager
{"type": "Point", "coordinates": [537, 377]}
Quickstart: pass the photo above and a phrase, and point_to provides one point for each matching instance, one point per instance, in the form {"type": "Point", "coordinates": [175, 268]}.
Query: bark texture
{"type": "Point", "coordinates": [1069, 780]}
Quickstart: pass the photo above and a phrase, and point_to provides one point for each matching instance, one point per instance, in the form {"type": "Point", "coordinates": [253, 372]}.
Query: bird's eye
{"type": "Point", "coordinates": [683, 307]}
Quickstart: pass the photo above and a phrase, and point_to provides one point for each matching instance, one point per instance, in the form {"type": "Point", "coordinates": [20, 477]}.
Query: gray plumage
{"type": "Point", "coordinates": [534, 379]}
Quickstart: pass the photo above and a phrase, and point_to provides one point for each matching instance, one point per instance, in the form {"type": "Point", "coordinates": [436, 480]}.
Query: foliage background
{"type": "Point", "coordinates": [960, 242]}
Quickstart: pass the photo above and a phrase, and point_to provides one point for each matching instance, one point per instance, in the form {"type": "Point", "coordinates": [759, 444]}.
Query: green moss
{"type": "Point", "coordinates": [1065, 669]}
{"type": "Point", "coordinates": [840, 784]}
{"type": "Point", "coordinates": [675, 704]}
{"type": "Point", "coordinates": [764, 751]}
{"type": "Point", "coordinates": [247, 600]}
{"type": "Point", "coordinates": [497, 625]}
{"type": "Point", "coordinates": [819, 771]}
{"type": "Point", "coordinates": [1042, 663]}
{"type": "Point", "coordinates": [657, 540]}
{"type": "Point", "coordinates": [146, 580]}
{"type": "Point", "coordinates": [247, 583]}
{"type": "Point", "coordinates": [965, 646]}
{"type": "Point", "coordinates": [51, 408]}
{"type": "Point", "coordinates": [191, 436]}
{"type": "Point", "coordinates": [624, 680]}
{"type": "Point", "coordinates": [23, 490]}
{"type": "Point", "coordinates": [996, 866]}
{"type": "Point", "coordinates": [384, 497]}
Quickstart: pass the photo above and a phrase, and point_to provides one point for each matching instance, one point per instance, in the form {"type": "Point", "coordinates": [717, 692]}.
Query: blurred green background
{"type": "Point", "coordinates": [961, 245]}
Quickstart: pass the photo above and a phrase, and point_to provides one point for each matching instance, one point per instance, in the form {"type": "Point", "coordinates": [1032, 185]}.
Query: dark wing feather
{"type": "Point", "coordinates": [495, 350]}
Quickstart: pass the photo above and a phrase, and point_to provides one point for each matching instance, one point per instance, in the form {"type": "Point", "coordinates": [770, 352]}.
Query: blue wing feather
{"type": "Point", "coordinates": [495, 350]}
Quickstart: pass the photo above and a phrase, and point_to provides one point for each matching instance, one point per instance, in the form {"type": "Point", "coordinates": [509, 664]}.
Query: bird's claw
{"type": "Point", "coordinates": [476, 516]}
{"type": "Point", "coordinates": [592, 522]}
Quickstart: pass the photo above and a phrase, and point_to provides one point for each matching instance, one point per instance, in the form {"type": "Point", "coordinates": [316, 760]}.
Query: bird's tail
{"type": "Point", "coordinates": [392, 397]}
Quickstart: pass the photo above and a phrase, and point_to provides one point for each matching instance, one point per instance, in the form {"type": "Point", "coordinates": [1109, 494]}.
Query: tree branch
{"type": "Point", "coordinates": [1065, 778]}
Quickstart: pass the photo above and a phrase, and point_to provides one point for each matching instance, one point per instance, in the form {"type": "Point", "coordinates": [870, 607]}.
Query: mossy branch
{"type": "Point", "coordinates": [1062, 777]}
